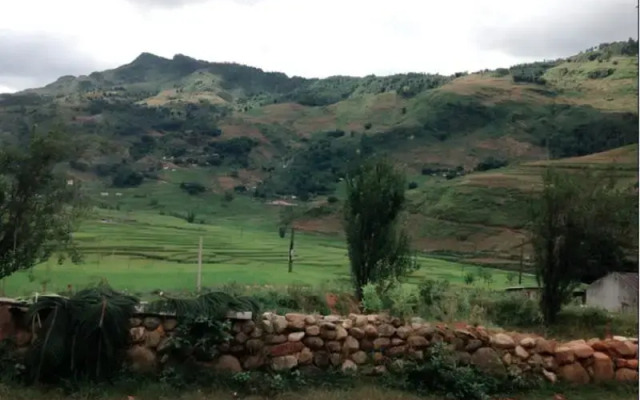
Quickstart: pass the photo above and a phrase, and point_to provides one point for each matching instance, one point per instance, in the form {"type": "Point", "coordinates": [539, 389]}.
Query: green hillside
{"type": "Point", "coordinates": [472, 143]}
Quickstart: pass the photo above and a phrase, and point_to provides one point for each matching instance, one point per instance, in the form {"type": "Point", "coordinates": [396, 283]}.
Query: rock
{"type": "Point", "coordinates": [370, 331]}
{"type": "Point", "coordinates": [257, 333]}
{"type": "Point", "coordinates": [310, 320]}
{"type": "Point", "coordinates": [347, 324]}
{"type": "Point", "coordinates": [573, 373]}
{"type": "Point", "coordinates": [473, 345]}
{"type": "Point", "coordinates": [372, 318]}
{"type": "Point", "coordinates": [622, 349]}
{"type": "Point", "coordinates": [626, 375]}
{"type": "Point", "coordinates": [366, 345]}
{"type": "Point", "coordinates": [286, 349]}
{"type": "Point", "coordinates": [247, 327]}
{"type": "Point", "coordinates": [582, 350]}
{"type": "Point", "coordinates": [564, 355]}
{"type": "Point", "coordinates": [381, 343]}
{"type": "Point", "coordinates": [254, 345]}
{"type": "Point", "coordinates": [417, 342]}
{"type": "Point", "coordinates": [575, 343]}
{"type": "Point", "coordinates": [332, 318]}
{"type": "Point", "coordinates": [545, 346]}
{"type": "Point", "coordinates": [296, 325]}
{"type": "Point", "coordinates": [403, 332]}
{"type": "Point", "coordinates": [620, 338]}
{"type": "Point", "coordinates": [600, 346]}
{"type": "Point", "coordinates": [333, 346]}
{"type": "Point", "coordinates": [294, 316]}
{"type": "Point", "coordinates": [142, 359]}
{"type": "Point", "coordinates": [351, 345]}
{"type": "Point", "coordinates": [241, 338]}
{"type": "Point", "coordinates": [386, 330]}
{"type": "Point", "coordinates": [313, 342]}
{"type": "Point", "coordinates": [133, 322]}
{"type": "Point", "coordinates": [507, 359]}
{"type": "Point", "coordinates": [550, 363]}
{"type": "Point", "coordinates": [397, 341]}
{"type": "Point", "coordinates": [549, 376]}
{"type": "Point", "coordinates": [227, 363]}
{"type": "Point", "coordinates": [341, 333]}
{"type": "Point", "coordinates": [280, 324]}
{"type": "Point", "coordinates": [458, 344]}
{"type": "Point", "coordinates": [521, 352]}
{"type": "Point", "coordinates": [356, 333]}
{"type": "Point", "coordinates": [361, 321]}
{"type": "Point", "coordinates": [378, 358]}
{"type": "Point", "coordinates": [328, 334]}
{"type": "Point", "coordinates": [152, 339]}
{"type": "Point", "coordinates": [502, 341]}
{"type": "Point", "coordinates": [312, 330]}
{"type": "Point", "coordinates": [151, 323]}
{"type": "Point", "coordinates": [295, 336]}
{"type": "Point", "coordinates": [137, 334]}
{"type": "Point", "coordinates": [464, 334]}
{"type": "Point", "coordinates": [275, 339]}
{"type": "Point", "coordinates": [349, 366]}
{"type": "Point", "coordinates": [380, 370]}
{"type": "Point", "coordinates": [335, 359]}
{"type": "Point", "coordinates": [395, 351]}
{"type": "Point", "coordinates": [359, 357]}
{"type": "Point", "coordinates": [253, 362]}
{"type": "Point", "coordinates": [284, 363]}
{"type": "Point", "coordinates": [633, 364]}
{"type": "Point", "coordinates": [602, 367]}
{"type": "Point", "coordinates": [321, 359]}
{"type": "Point", "coordinates": [535, 360]}
{"type": "Point", "coordinates": [267, 326]}
{"type": "Point", "coordinates": [528, 343]}
{"type": "Point", "coordinates": [462, 357]}
{"type": "Point", "coordinates": [305, 357]}
{"type": "Point", "coordinates": [486, 359]}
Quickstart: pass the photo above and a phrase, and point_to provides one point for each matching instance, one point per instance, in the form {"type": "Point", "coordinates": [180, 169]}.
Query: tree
{"type": "Point", "coordinates": [378, 247]}
{"type": "Point", "coordinates": [580, 227]}
{"type": "Point", "coordinates": [38, 206]}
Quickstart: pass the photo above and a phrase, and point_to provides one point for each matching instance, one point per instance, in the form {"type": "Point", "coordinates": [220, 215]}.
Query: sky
{"type": "Point", "coordinates": [41, 40]}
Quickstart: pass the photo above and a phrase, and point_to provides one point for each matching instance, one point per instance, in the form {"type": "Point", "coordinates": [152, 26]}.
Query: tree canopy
{"type": "Point", "coordinates": [378, 246]}
{"type": "Point", "coordinates": [580, 227]}
{"type": "Point", "coordinates": [38, 205]}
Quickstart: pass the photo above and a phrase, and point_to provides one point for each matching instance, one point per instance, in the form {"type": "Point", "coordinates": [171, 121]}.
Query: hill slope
{"type": "Point", "coordinates": [160, 123]}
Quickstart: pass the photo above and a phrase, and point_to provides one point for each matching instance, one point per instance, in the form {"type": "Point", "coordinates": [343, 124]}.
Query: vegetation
{"type": "Point", "coordinates": [38, 208]}
{"type": "Point", "coordinates": [378, 246]}
{"type": "Point", "coordinates": [579, 229]}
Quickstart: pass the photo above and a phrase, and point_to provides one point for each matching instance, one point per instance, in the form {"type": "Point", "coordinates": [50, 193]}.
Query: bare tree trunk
{"type": "Point", "coordinates": [291, 250]}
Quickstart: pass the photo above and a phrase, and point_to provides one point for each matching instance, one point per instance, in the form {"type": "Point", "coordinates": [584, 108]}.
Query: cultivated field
{"type": "Point", "coordinates": [143, 251]}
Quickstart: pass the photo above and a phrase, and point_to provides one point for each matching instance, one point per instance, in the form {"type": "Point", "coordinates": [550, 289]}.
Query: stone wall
{"type": "Point", "coordinates": [370, 343]}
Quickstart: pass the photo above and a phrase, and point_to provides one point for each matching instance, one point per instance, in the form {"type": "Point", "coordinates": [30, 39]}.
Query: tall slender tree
{"type": "Point", "coordinates": [378, 246]}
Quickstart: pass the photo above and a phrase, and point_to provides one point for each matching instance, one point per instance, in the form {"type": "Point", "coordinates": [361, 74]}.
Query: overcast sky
{"type": "Point", "coordinates": [41, 40]}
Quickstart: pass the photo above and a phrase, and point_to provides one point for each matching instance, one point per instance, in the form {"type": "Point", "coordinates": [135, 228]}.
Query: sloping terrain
{"type": "Point", "coordinates": [156, 124]}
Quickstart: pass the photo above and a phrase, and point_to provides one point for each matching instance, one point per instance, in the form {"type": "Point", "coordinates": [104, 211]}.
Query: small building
{"type": "Point", "coordinates": [616, 292]}
{"type": "Point", "coordinates": [533, 293]}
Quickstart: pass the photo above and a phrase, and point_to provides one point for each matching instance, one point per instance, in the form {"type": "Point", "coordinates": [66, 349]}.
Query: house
{"type": "Point", "coordinates": [617, 292]}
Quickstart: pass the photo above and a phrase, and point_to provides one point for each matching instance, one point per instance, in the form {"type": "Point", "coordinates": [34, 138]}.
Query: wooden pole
{"type": "Point", "coordinates": [291, 251]}
{"type": "Point", "coordinates": [199, 278]}
{"type": "Point", "coordinates": [521, 255]}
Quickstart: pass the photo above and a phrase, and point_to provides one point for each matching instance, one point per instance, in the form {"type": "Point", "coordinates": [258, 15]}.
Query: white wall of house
{"type": "Point", "coordinates": [611, 294]}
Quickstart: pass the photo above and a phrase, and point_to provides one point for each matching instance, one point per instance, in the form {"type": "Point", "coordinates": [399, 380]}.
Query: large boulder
{"type": "Point", "coordinates": [142, 359]}
{"type": "Point", "coordinates": [227, 364]}
{"type": "Point", "coordinates": [487, 360]}
{"type": "Point", "coordinates": [502, 341]}
{"type": "Point", "coordinates": [564, 355]}
{"type": "Point", "coordinates": [574, 373]}
{"type": "Point", "coordinates": [626, 375]}
{"type": "Point", "coordinates": [351, 345]}
{"type": "Point", "coordinates": [602, 367]}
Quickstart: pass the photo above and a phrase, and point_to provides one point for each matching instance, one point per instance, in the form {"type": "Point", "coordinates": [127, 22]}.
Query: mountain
{"type": "Point", "coordinates": [469, 142]}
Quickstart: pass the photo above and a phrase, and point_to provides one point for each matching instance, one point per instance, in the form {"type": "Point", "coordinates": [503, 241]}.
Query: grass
{"type": "Point", "coordinates": [142, 251]}
{"type": "Point", "coordinates": [361, 392]}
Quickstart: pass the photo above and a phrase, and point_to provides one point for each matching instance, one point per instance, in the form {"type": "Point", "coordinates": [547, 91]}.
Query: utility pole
{"type": "Point", "coordinates": [521, 255]}
{"type": "Point", "coordinates": [291, 250]}
{"type": "Point", "coordinates": [199, 278]}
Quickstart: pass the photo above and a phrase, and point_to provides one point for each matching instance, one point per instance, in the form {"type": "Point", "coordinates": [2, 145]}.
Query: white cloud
{"type": "Point", "coordinates": [317, 37]}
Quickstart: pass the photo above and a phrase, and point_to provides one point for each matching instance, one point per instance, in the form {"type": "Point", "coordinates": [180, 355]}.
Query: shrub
{"type": "Point", "coordinates": [228, 196]}
{"type": "Point", "coordinates": [403, 299]}
{"type": "Point", "coordinates": [367, 126]}
{"type": "Point", "coordinates": [332, 199]}
{"type": "Point", "coordinates": [413, 185]}
{"type": "Point", "coordinates": [469, 278]}
{"type": "Point", "coordinates": [192, 188]}
{"type": "Point", "coordinates": [514, 311]}
{"type": "Point", "coordinates": [190, 217]}
{"type": "Point", "coordinates": [491, 163]}
{"type": "Point", "coordinates": [371, 300]}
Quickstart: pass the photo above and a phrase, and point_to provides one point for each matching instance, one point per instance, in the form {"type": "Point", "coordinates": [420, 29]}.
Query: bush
{"type": "Point", "coordinates": [193, 188]}
{"type": "Point", "coordinates": [491, 163]}
{"type": "Point", "coordinates": [403, 299]}
{"type": "Point", "coordinates": [332, 199]}
{"type": "Point", "coordinates": [514, 311]}
{"type": "Point", "coordinates": [371, 300]}
{"type": "Point", "coordinates": [126, 177]}
{"type": "Point", "coordinates": [228, 196]}
{"type": "Point", "coordinates": [413, 185]}
{"type": "Point", "coordinates": [367, 126]}
{"type": "Point", "coordinates": [190, 217]}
